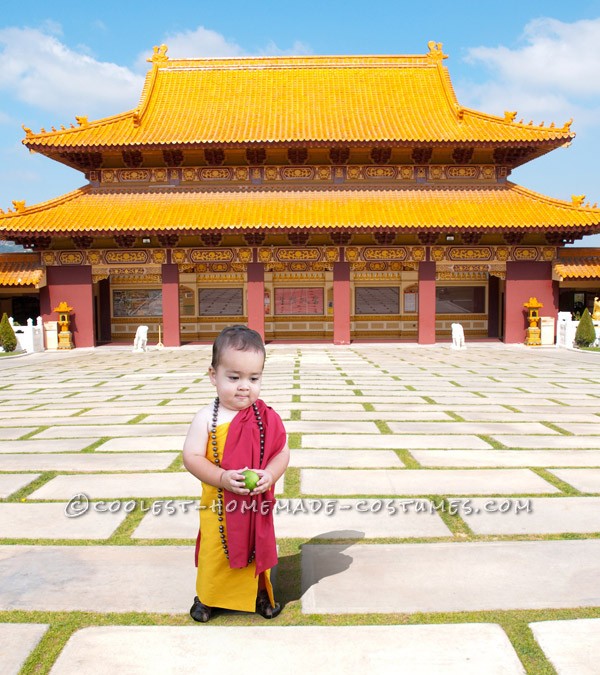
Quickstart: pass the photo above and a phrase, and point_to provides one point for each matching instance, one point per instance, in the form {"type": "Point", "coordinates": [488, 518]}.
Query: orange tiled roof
{"type": "Point", "coordinates": [96, 210]}
{"type": "Point", "coordinates": [20, 269]}
{"type": "Point", "coordinates": [578, 267]}
{"type": "Point", "coordinates": [321, 99]}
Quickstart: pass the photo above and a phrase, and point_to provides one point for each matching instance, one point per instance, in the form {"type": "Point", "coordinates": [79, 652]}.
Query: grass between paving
{"type": "Point", "coordinates": [515, 623]}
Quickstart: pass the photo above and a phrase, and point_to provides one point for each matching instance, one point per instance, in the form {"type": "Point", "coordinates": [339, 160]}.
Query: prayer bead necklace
{"type": "Point", "coordinates": [213, 440]}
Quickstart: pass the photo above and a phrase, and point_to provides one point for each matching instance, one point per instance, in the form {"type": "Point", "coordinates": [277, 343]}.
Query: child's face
{"type": "Point", "coordinates": [238, 378]}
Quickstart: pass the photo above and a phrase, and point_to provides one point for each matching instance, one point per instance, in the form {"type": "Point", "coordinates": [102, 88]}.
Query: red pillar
{"type": "Point", "coordinates": [341, 303]}
{"type": "Point", "coordinates": [170, 305]}
{"type": "Point", "coordinates": [72, 284]}
{"type": "Point", "coordinates": [525, 280]}
{"type": "Point", "coordinates": [426, 303]}
{"type": "Point", "coordinates": [256, 297]}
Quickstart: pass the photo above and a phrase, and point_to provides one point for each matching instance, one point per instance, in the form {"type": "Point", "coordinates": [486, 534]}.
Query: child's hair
{"type": "Point", "coordinates": [237, 337]}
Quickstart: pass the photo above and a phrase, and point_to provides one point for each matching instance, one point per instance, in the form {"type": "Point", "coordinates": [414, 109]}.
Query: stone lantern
{"type": "Point", "coordinates": [534, 337]}
{"type": "Point", "coordinates": [64, 336]}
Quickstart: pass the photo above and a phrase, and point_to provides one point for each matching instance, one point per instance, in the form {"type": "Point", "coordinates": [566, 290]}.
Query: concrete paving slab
{"type": "Point", "coordinates": [556, 416]}
{"type": "Point", "coordinates": [573, 647]}
{"type": "Point", "coordinates": [450, 577]}
{"type": "Point", "coordinates": [454, 649]}
{"type": "Point", "coordinates": [114, 430]}
{"type": "Point", "coordinates": [486, 428]}
{"type": "Point", "coordinates": [489, 458]}
{"type": "Point", "coordinates": [586, 480]}
{"type": "Point", "coordinates": [97, 578]}
{"type": "Point", "coordinates": [11, 482]}
{"type": "Point", "coordinates": [34, 415]}
{"type": "Point", "coordinates": [341, 458]}
{"type": "Point", "coordinates": [88, 461]}
{"type": "Point", "coordinates": [118, 485]}
{"type": "Point", "coordinates": [143, 443]}
{"type": "Point", "coordinates": [50, 420]}
{"type": "Point", "coordinates": [398, 415]}
{"type": "Point", "coordinates": [329, 406]}
{"type": "Point", "coordinates": [63, 445]}
{"type": "Point", "coordinates": [17, 641]}
{"type": "Point", "coordinates": [422, 482]}
{"type": "Point", "coordinates": [534, 515]}
{"type": "Point", "coordinates": [333, 427]}
{"type": "Point", "coordinates": [589, 428]}
{"type": "Point", "coordinates": [170, 418]}
{"type": "Point", "coordinates": [13, 433]}
{"type": "Point", "coordinates": [328, 518]}
{"type": "Point", "coordinates": [50, 521]}
{"type": "Point", "coordinates": [558, 442]}
{"type": "Point", "coordinates": [392, 441]}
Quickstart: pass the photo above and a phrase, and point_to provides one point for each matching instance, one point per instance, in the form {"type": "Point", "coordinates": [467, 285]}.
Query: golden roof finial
{"type": "Point", "coordinates": [158, 54]}
{"type": "Point", "coordinates": [509, 115]}
{"type": "Point", "coordinates": [577, 199]}
{"type": "Point", "coordinates": [567, 125]}
{"type": "Point", "coordinates": [435, 51]}
{"type": "Point", "coordinates": [27, 130]}
{"type": "Point", "coordinates": [82, 120]}
{"type": "Point", "coordinates": [19, 205]}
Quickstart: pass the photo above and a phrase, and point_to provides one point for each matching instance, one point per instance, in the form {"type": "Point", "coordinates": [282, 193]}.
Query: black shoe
{"type": "Point", "coordinates": [264, 607]}
{"type": "Point", "coordinates": [200, 612]}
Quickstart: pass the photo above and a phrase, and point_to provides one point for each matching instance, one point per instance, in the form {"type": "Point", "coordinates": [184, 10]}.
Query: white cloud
{"type": "Point", "coordinates": [557, 56]}
{"type": "Point", "coordinates": [299, 48]}
{"type": "Point", "coordinates": [553, 76]}
{"type": "Point", "coordinates": [41, 71]}
{"type": "Point", "coordinates": [205, 43]}
{"type": "Point", "coordinates": [198, 43]}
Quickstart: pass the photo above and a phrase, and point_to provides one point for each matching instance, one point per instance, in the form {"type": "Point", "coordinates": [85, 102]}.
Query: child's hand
{"type": "Point", "coordinates": [265, 483]}
{"type": "Point", "coordinates": [234, 481]}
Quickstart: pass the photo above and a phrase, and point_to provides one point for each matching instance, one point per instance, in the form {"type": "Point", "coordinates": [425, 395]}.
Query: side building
{"type": "Point", "coordinates": [332, 198]}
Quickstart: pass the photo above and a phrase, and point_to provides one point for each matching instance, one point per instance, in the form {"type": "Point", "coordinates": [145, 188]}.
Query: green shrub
{"type": "Point", "coordinates": [8, 339]}
{"type": "Point", "coordinates": [585, 334]}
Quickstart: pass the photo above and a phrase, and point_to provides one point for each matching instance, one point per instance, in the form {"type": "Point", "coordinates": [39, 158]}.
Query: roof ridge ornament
{"type": "Point", "coordinates": [82, 120]}
{"type": "Point", "coordinates": [159, 54]}
{"type": "Point", "coordinates": [509, 115]}
{"type": "Point", "coordinates": [435, 51]}
{"type": "Point", "coordinates": [577, 199]}
{"type": "Point", "coordinates": [19, 205]}
{"type": "Point", "coordinates": [567, 125]}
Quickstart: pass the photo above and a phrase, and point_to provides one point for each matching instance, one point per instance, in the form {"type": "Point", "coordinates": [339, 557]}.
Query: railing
{"type": "Point", "coordinates": [30, 337]}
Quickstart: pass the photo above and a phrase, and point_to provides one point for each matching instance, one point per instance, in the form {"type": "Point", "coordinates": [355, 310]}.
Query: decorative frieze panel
{"type": "Point", "coordinates": [384, 253]}
{"type": "Point", "coordinates": [490, 253]}
{"type": "Point", "coordinates": [144, 256]}
{"type": "Point", "coordinates": [318, 173]}
{"type": "Point", "coordinates": [183, 256]}
{"type": "Point", "coordinates": [287, 254]}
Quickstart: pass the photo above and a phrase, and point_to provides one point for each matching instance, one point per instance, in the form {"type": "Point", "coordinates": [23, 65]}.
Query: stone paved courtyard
{"type": "Point", "coordinates": [441, 512]}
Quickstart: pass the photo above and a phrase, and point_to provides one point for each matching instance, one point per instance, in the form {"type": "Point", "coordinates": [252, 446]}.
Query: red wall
{"type": "Point", "coordinates": [256, 298]}
{"type": "Point", "coordinates": [525, 280]}
{"type": "Point", "coordinates": [74, 286]}
{"type": "Point", "coordinates": [341, 303]}
{"type": "Point", "coordinates": [426, 303]}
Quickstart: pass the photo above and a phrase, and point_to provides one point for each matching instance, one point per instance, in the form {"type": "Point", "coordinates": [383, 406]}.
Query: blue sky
{"type": "Point", "coordinates": [62, 59]}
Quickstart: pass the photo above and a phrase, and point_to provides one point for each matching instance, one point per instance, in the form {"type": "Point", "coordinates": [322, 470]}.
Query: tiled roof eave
{"type": "Point", "coordinates": [56, 150]}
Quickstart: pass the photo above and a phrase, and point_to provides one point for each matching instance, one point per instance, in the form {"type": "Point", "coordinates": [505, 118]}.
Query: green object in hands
{"type": "Point", "coordinates": [251, 478]}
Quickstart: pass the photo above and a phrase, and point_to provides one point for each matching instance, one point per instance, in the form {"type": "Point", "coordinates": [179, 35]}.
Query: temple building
{"type": "Point", "coordinates": [315, 198]}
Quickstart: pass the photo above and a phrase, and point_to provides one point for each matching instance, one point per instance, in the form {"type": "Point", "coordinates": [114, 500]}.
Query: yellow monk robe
{"type": "Point", "coordinates": [217, 585]}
